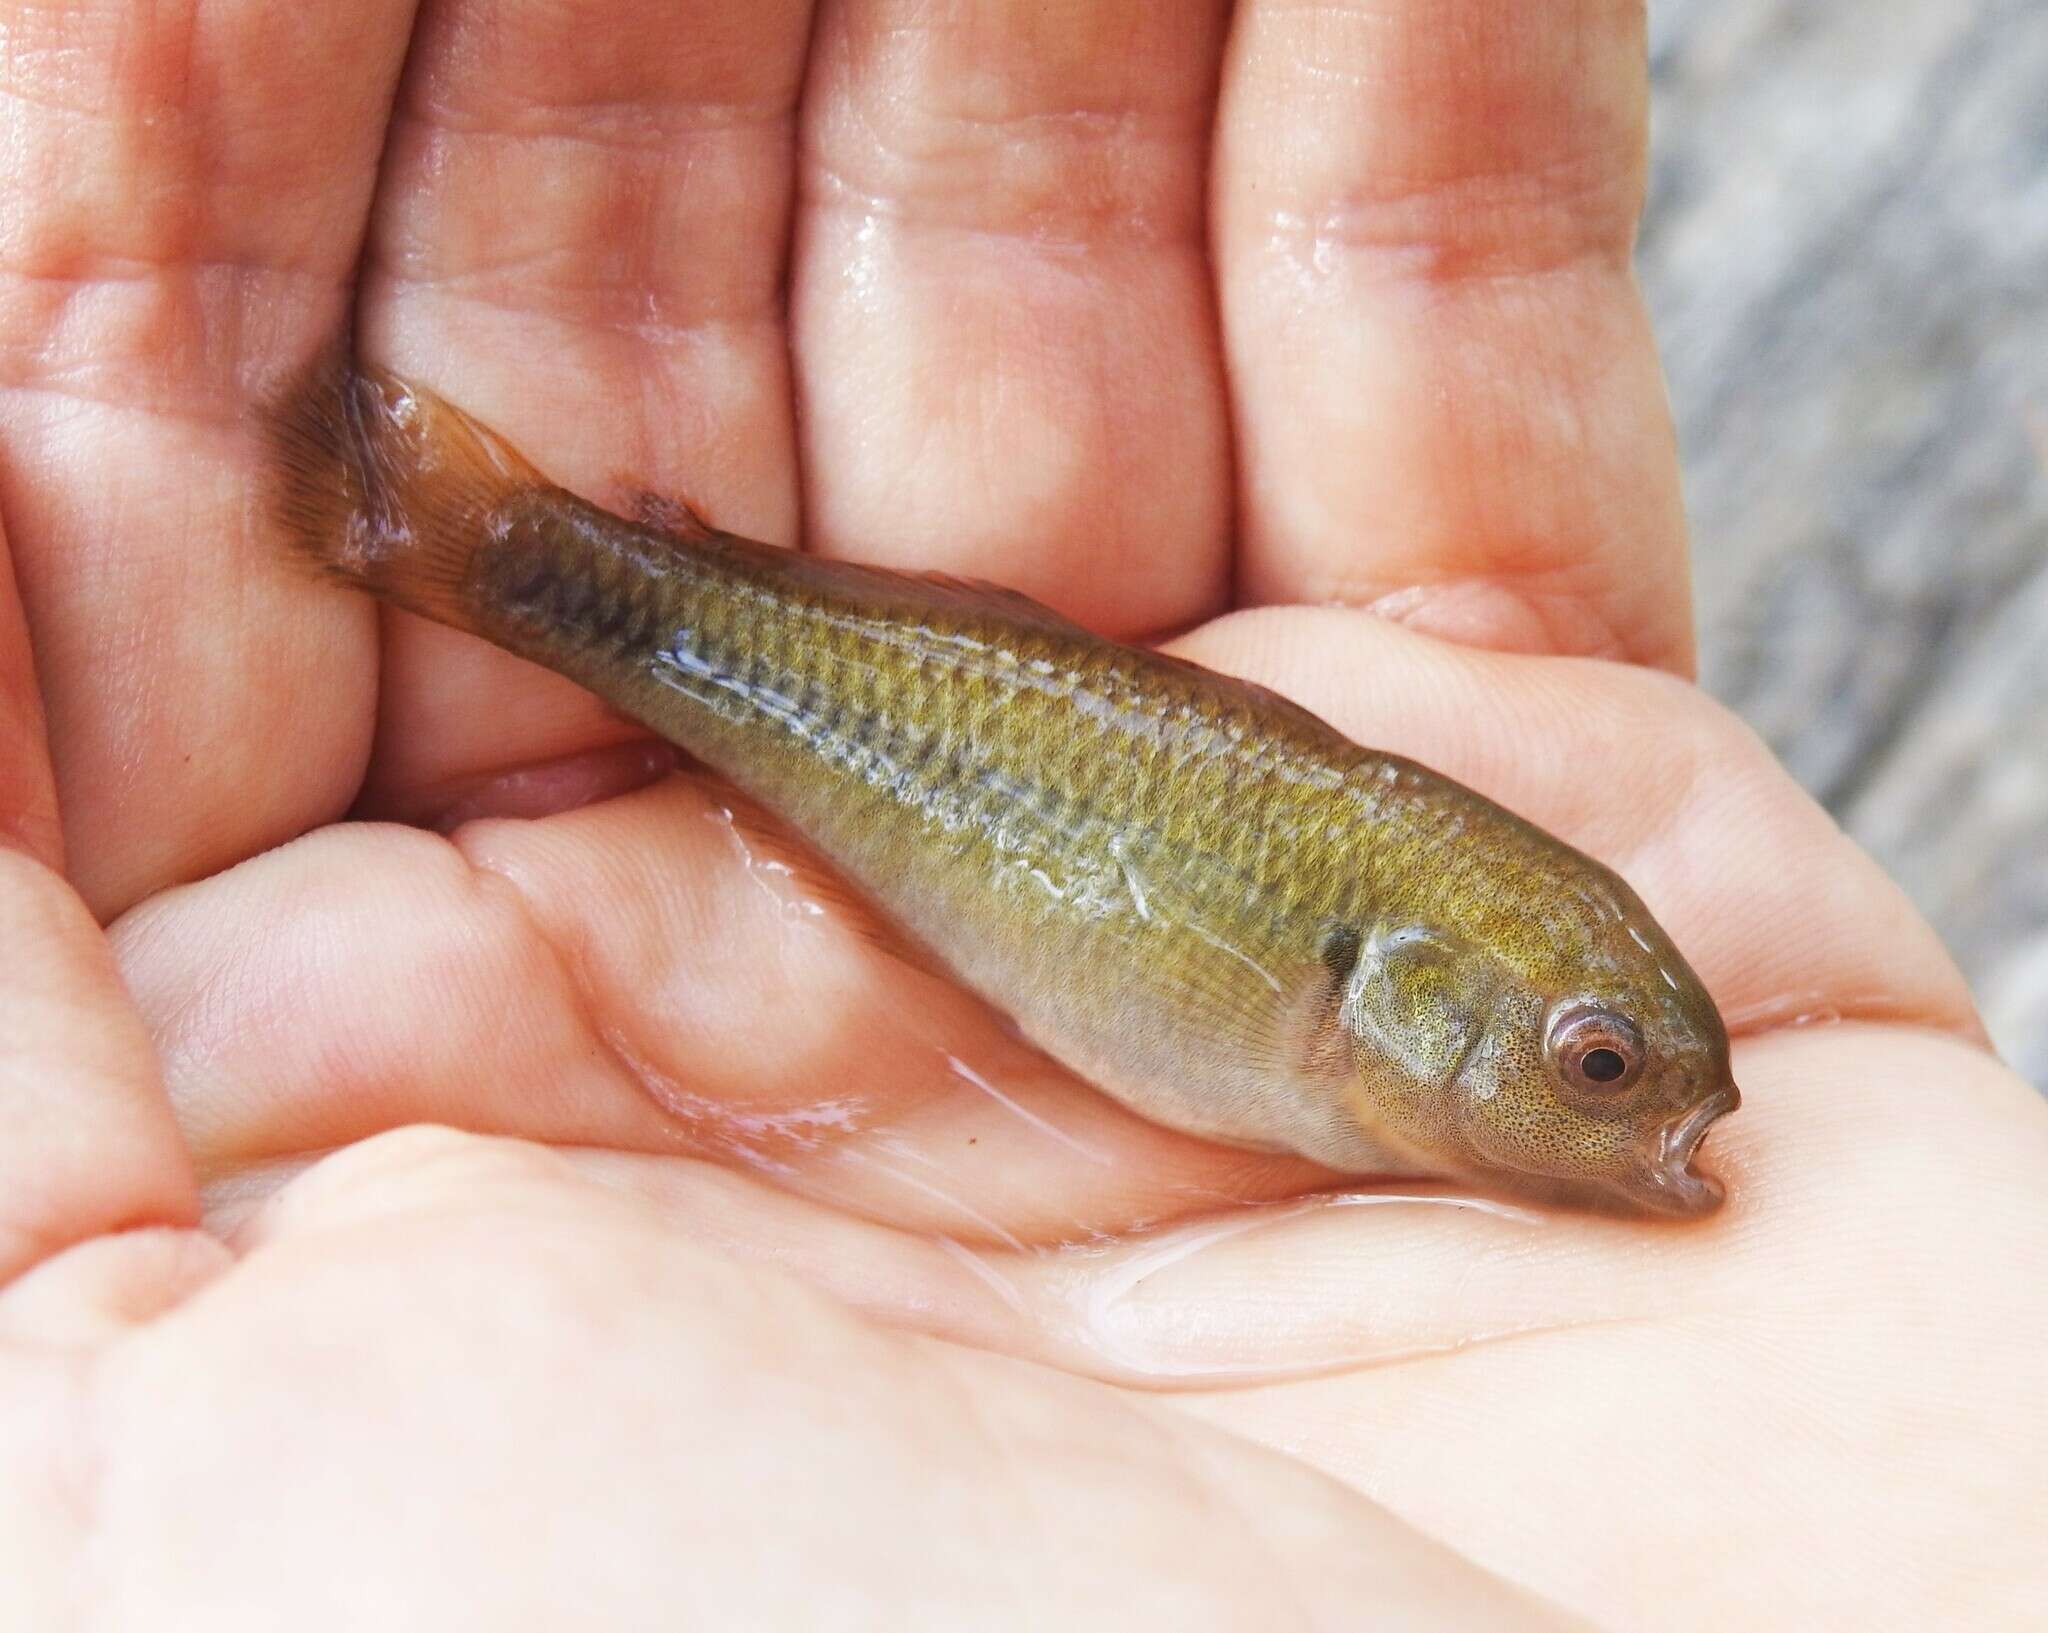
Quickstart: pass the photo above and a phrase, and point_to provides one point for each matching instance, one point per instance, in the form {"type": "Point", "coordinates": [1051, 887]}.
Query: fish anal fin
{"type": "Point", "coordinates": [787, 865]}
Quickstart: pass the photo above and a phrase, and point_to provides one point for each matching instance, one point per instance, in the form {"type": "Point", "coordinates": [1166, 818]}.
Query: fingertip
{"type": "Point", "coordinates": [1445, 386]}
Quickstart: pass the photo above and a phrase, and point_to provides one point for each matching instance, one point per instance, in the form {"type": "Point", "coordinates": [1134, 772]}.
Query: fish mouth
{"type": "Point", "coordinates": [1667, 1180]}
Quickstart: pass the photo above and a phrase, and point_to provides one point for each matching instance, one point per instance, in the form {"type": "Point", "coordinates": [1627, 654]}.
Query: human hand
{"type": "Point", "coordinates": [572, 1370]}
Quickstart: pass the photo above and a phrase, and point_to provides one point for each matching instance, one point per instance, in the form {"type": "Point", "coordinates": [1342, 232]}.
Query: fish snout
{"type": "Point", "coordinates": [1666, 1179]}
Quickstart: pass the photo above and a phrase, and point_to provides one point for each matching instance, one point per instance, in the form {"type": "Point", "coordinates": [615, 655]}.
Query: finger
{"type": "Point", "coordinates": [580, 238]}
{"type": "Point", "coordinates": [620, 1351]}
{"type": "Point", "coordinates": [86, 1139]}
{"type": "Point", "coordinates": [1448, 404]}
{"type": "Point", "coordinates": [1237, 1297]}
{"type": "Point", "coordinates": [87, 1144]}
{"type": "Point", "coordinates": [179, 215]}
{"type": "Point", "coordinates": [105, 1288]}
{"type": "Point", "coordinates": [1005, 339]}
{"type": "Point", "coordinates": [1342, 1282]}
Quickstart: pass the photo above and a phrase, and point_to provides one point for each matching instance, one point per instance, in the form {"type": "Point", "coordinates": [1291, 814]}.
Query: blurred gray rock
{"type": "Point", "coordinates": [1846, 252]}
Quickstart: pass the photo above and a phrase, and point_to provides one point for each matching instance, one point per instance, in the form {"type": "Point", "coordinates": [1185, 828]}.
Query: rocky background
{"type": "Point", "coordinates": [1846, 252]}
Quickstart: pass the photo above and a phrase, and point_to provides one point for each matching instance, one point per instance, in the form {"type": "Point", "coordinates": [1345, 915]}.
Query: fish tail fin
{"type": "Point", "coordinates": [384, 485]}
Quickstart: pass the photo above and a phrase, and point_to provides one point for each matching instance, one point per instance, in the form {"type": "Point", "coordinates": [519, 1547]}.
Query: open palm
{"type": "Point", "coordinates": [1181, 321]}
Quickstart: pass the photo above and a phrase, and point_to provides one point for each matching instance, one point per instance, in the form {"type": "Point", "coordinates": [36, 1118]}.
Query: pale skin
{"type": "Point", "coordinates": [377, 1246]}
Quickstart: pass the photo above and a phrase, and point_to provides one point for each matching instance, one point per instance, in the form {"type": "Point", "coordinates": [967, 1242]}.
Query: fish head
{"type": "Point", "coordinates": [1590, 1095]}
{"type": "Point", "coordinates": [1588, 1075]}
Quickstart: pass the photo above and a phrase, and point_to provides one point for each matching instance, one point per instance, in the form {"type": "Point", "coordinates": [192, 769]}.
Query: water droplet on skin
{"type": "Point", "coordinates": [1791, 1009]}
{"type": "Point", "coordinates": [771, 875]}
{"type": "Point", "coordinates": [758, 1139]}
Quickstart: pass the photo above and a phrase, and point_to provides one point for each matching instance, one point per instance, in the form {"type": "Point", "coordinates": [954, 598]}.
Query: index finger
{"type": "Point", "coordinates": [1448, 404]}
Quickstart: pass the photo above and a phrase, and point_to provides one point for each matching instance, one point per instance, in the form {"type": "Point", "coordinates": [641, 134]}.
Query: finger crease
{"type": "Point", "coordinates": [501, 889]}
{"type": "Point", "coordinates": [1077, 226]}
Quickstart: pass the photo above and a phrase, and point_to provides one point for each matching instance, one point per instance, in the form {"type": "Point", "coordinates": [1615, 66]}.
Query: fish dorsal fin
{"type": "Point", "coordinates": [667, 513]}
{"type": "Point", "coordinates": [970, 595]}
{"type": "Point", "coordinates": [680, 519]}
{"type": "Point", "coordinates": [952, 585]}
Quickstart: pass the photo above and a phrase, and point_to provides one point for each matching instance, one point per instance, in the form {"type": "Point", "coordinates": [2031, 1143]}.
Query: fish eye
{"type": "Point", "coordinates": [1602, 1065]}
{"type": "Point", "coordinates": [1596, 1049]}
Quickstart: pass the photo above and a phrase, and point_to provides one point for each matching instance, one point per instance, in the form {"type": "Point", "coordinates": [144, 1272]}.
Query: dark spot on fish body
{"type": "Point", "coordinates": [588, 602]}
{"type": "Point", "coordinates": [578, 600]}
{"type": "Point", "coordinates": [513, 565]}
{"type": "Point", "coordinates": [610, 608]}
{"type": "Point", "coordinates": [923, 752]}
{"type": "Point", "coordinates": [538, 583]}
{"type": "Point", "coordinates": [520, 566]}
{"type": "Point", "coordinates": [1340, 951]}
{"type": "Point", "coordinates": [747, 671]}
{"type": "Point", "coordinates": [808, 703]}
{"type": "Point", "coordinates": [642, 632]}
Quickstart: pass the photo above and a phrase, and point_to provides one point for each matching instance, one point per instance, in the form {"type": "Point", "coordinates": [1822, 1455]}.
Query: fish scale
{"type": "Point", "coordinates": [936, 796]}
{"type": "Point", "coordinates": [1211, 903]}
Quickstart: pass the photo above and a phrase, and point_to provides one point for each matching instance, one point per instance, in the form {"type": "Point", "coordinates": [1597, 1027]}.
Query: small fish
{"type": "Point", "coordinates": [1202, 898]}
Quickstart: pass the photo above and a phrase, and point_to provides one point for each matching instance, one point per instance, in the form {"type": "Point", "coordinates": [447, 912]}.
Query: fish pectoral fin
{"type": "Point", "coordinates": [1416, 998]}
{"type": "Point", "coordinates": [1276, 1016]}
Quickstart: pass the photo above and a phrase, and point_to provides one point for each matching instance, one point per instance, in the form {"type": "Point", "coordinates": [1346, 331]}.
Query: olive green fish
{"type": "Point", "coordinates": [1202, 898]}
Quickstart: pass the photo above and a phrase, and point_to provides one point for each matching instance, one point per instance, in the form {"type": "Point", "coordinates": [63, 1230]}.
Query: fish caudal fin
{"type": "Point", "coordinates": [386, 486]}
